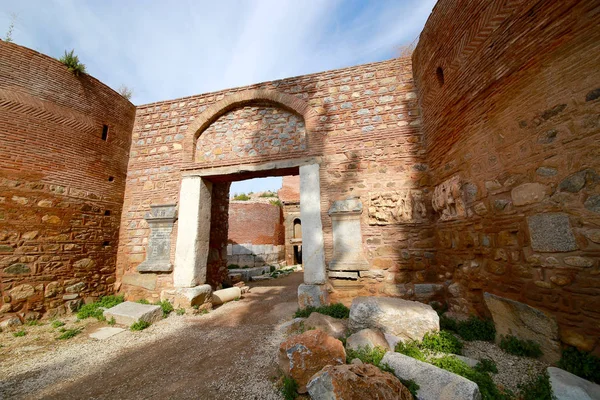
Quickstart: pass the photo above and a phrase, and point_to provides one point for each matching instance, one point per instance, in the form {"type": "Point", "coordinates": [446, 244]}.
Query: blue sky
{"type": "Point", "coordinates": [169, 49]}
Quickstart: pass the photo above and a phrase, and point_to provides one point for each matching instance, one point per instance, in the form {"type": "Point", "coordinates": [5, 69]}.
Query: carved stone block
{"type": "Point", "coordinates": [348, 252]}
{"type": "Point", "coordinates": [397, 207]}
{"type": "Point", "coordinates": [160, 220]}
{"type": "Point", "coordinates": [448, 199]}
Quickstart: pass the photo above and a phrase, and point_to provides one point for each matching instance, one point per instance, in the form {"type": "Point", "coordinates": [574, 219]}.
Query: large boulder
{"type": "Point", "coordinates": [434, 383]}
{"type": "Point", "coordinates": [332, 326]}
{"type": "Point", "coordinates": [526, 323]}
{"type": "Point", "coordinates": [409, 320]}
{"type": "Point", "coordinates": [567, 386]}
{"type": "Point", "coordinates": [367, 338]}
{"type": "Point", "coordinates": [302, 356]}
{"type": "Point", "coordinates": [356, 382]}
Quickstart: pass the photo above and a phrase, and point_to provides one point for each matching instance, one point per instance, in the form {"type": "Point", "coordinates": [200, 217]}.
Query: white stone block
{"type": "Point", "coordinates": [129, 312]}
{"type": "Point", "coordinates": [313, 254]}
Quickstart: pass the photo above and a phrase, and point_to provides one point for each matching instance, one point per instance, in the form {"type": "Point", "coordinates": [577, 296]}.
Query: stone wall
{"type": "Point", "coordinates": [61, 184]}
{"type": "Point", "coordinates": [361, 123]}
{"type": "Point", "coordinates": [511, 121]}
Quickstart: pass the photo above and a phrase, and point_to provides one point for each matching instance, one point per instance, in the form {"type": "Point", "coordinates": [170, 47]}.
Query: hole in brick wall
{"type": "Point", "coordinates": [106, 243]}
{"type": "Point", "coordinates": [107, 212]}
{"type": "Point", "coordinates": [111, 178]}
{"type": "Point", "coordinates": [104, 132]}
{"type": "Point", "coordinates": [440, 76]}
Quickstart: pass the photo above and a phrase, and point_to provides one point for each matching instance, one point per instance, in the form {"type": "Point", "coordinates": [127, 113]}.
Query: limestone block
{"type": "Point", "coordinates": [367, 338]}
{"type": "Point", "coordinates": [106, 332]}
{"type": "Point", "coordinates": [409, 320]}
{"type": "Point", "coordinates": [356, 381]}
{"type": "Point", "coordinates": [129, 312]}
{"type": "Point", "coordinates": [312, 295]}
{"type": "Point", "coordinates": [348, 254]}
{"type": "Point", "coordinates": [528, 193]}
{"type": "Point", "coordinates": [526, 323]}
{"type": "Point", "coordinates": [224, 295]}
{"type": "Point", "coordinates": [332, 326]}
{"type": "Point", "coordinates": [551, 232]}
{"type": "Point", "coordinates": [189, 297]}
{"type": "Point", "coordinates": [313, 252]}
{"type": "Point", "coordinates": [343, 274]}
{"type": "Point", "coordinates": [434, 382]}
{"type": "Point", "coordinates": [566, 386]}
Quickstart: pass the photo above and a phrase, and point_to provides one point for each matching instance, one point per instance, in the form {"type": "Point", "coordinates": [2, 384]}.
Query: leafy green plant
{"type": "Point", "coordinates": [367, 355]}
{"type": "Point", "coordinates": [471, 329]}
{"type": "Point", "coordinates": [69, 333]}
{"type": "Point", "coordinates": [518, 347]}
{"type": "Point", "coordinates": [241, 197]}
{"type": "Point", "coordinates": [336, 310]}
{"type": "Point", "coordinates": [96, 309]}
{"type": "Point", "coordinates": [537, 389]}
{"type": "Point", "coordinates": [489, 391]}
{"type": "Point", "coordinates": [411, 385]}
{"type": "Point", "coordinates": [139, 326]}
{"type": "Point", "coordinates": [166, 306]}
{"type": "Point", "coordinates": [289, 389]}
{"type": "Point", "coordinates": [411, 349]}
{"type": "Point", "coordinates": [580, 363]}
{"type": "Point", "coordinates": [20, 333]}
{"type": "Point", "coordinates": [111, 321]}
{"type": "Point", "coordinates": [486, 365]}
{"type": "Point", "coordinates": [180, 311]}
{"type": "Point", "coordinates": [142, 301]}
{"type": "Point", "coordinates": [443, 342]}
{"type": "Point", "coordinates": [57, 324]}
{"type": "Point", "coordinates": [72, 63]}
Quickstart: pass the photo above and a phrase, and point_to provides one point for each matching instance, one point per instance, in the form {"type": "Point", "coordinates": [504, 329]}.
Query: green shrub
{"type": "Point", "coordinates": [337, 310]}
{"type": "Point", "coordinates": [411, 385]}
{"type": "Point", "coordinates": [72, 63]}
{"type": "Point", "coordinates": [139, 326]}
{"type": "Point", "coordinates": [277, 203]}
{"type": "Point", "coordinates": [443, 342]}
{"type": "Point", "coordinates": [410, 349]}
{"type": "Point", "coordinates": [486, 365]}
{"type": "Point", "coordinates": [180, 311]}
{"type": "Point", "coordinates": [581, 364]}
{"type": "Point", "coordinates": [166, 307]}
{"type": "Point", "coordinates": [111, 321]}
{"type": "Point", "coordinates": [367, 355]}
{"type": "Point", "coordinates": [57, 324]}
{"type": "Point", "coordinates": [489, 391]}
{"type": "Point", "coordinates": [537, 389]}
{"type": "Point", "coordinates": [241, 197]}
{"type": "Point", "coordinates": [471, 329]}
{"type": "Point", "coordinates": [94, 310]}
{"type": "Point", "coordinates": [518, 347]}
{"type": "Point", "coordinates": [69, 333]}
{"type": "Point", "coordinates": [20, 333]}
{"type": "Point", "coordinates": [289, 389]}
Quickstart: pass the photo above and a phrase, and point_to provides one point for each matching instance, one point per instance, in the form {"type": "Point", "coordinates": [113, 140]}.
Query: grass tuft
{"type": "Point", "coordinates": [289, 389]}
{"type": "Point", "coordinates": [69, 333]}
{"type": "Point", "coordinates": [337, 310]}
{"type": "Point", "coordinates": [180, 311]}
{"type": "Point", "coordinates": [139, 326]}
{"type": "Point", "coordinates": [518, 347]}
{"type": "Point", "coordinates": [71, 61]}
{"type": "Point", "coordinates": [20, 333]}
{"type": "Point", "coordinates": [57, 324]}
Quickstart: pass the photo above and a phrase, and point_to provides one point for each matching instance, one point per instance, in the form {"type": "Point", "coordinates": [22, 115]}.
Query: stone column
{"type": "Point", "coordinates": [348, 254]}
{"type": "Point", "coordinates": [193, 232]}
{"type": "Point", "coordinates": [160, 220]}
{"type": "Point", "coordinates": [313, 291]}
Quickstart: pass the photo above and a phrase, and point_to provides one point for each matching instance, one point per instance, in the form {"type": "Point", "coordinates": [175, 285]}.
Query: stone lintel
{"type": "Point", "coordinates": [343, 274]}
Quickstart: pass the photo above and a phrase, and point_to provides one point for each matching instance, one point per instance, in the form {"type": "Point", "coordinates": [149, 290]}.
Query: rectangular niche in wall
{"type": "Point", "coordinates": [348, 252]}
{"type": "Point", "coordinates": [160, 219]}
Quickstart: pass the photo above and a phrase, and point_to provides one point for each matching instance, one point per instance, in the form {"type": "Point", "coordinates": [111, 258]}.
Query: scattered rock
{"type": "Point", "coordinates": [291, 326]}
{"type": "Point", "coordinates": [332, 326]}
{"type": "Point", "coordinates": [195, 296]}
{"type": "Point", "coordinates": [224, 295]}
{"type": "Point", "coordinates": [526, 323]}
{"type": "Point", "coordinates": [367, 338]}
{"type": "Point", "coordinates": [356, 381]}
{"type": "Point", "coordinates": [128, 313]}
{"type": "Point", "coordinates": [7, 323]}
{"type": "Point", "coordinates": [302, 356]}
{"type": "Point", "coordinates": [409, 320]}
{"type": "Point", "coordinates": [567, 386]}
{"type": "Point", "coordinates": [434, 382]}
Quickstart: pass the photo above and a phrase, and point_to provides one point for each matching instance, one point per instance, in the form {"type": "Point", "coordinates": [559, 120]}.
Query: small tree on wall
{"type": "Point", "coordinates": [11, 27]}
{"type": "Point", "coordinates": [72, 63]}
{"type": "Point", "coordinates": [125, 91]}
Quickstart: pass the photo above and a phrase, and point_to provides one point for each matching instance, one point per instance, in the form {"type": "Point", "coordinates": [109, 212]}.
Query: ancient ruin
{"type": "Point", "coordinates": [471, 167]}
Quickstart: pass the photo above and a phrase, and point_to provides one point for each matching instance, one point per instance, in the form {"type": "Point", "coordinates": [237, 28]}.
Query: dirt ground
{"type": "Point", "coordinates": [228, 353]}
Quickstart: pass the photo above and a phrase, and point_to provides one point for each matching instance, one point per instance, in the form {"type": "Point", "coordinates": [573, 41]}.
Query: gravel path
{"type": "Point", "coordinates": [228, 353]}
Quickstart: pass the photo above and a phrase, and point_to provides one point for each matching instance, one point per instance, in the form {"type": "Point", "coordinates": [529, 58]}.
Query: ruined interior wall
{"type": "Point", "coordinates": [59, 212]}
{"type": "Point", "coordinates": [367, 136]}
{"type": "Point", "coordinates": [512, 134]}
{"type": "Point", "coordinates": [255, 223]}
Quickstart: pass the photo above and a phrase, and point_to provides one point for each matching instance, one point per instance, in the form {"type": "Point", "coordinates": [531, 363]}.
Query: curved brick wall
{"type": "Point", "coordinates": [61, 185]}
{"type": "Point", "coordinates": [509, 95]}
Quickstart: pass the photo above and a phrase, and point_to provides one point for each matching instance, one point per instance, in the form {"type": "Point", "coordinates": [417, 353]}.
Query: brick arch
{"type": "Point", "coordinates": [246, 97]}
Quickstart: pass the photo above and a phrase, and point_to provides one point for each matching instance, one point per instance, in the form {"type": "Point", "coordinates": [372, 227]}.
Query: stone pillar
{"type": "Point", "coordinates": [313, 291]}
{"type": "Point", "coordinates": [160, 220]}
{"type": "Point", "coordinates": [193, 232]}
{"type": "Point", "coordinates": [348, 254]}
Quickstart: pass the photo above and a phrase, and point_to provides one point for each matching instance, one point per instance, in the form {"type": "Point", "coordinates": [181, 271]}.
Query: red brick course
{"type": "Point", "coordinates": [255, 223]}
{"type": "Point", "coordinates": [59, 211]}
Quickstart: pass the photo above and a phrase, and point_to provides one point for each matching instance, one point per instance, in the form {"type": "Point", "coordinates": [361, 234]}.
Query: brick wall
{"type": "Point", "coordinates": [364, 124]}
{"type": "Point", "coordinates": [509, 94]}
{"type": "Point", "coordinates": [61, 185]}
{"type": "Point", "coordinates": [255, 223]}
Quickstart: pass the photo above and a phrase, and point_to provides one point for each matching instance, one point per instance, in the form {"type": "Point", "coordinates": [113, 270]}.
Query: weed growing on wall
{"type": "Point", "coordinates": [71, 61]}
